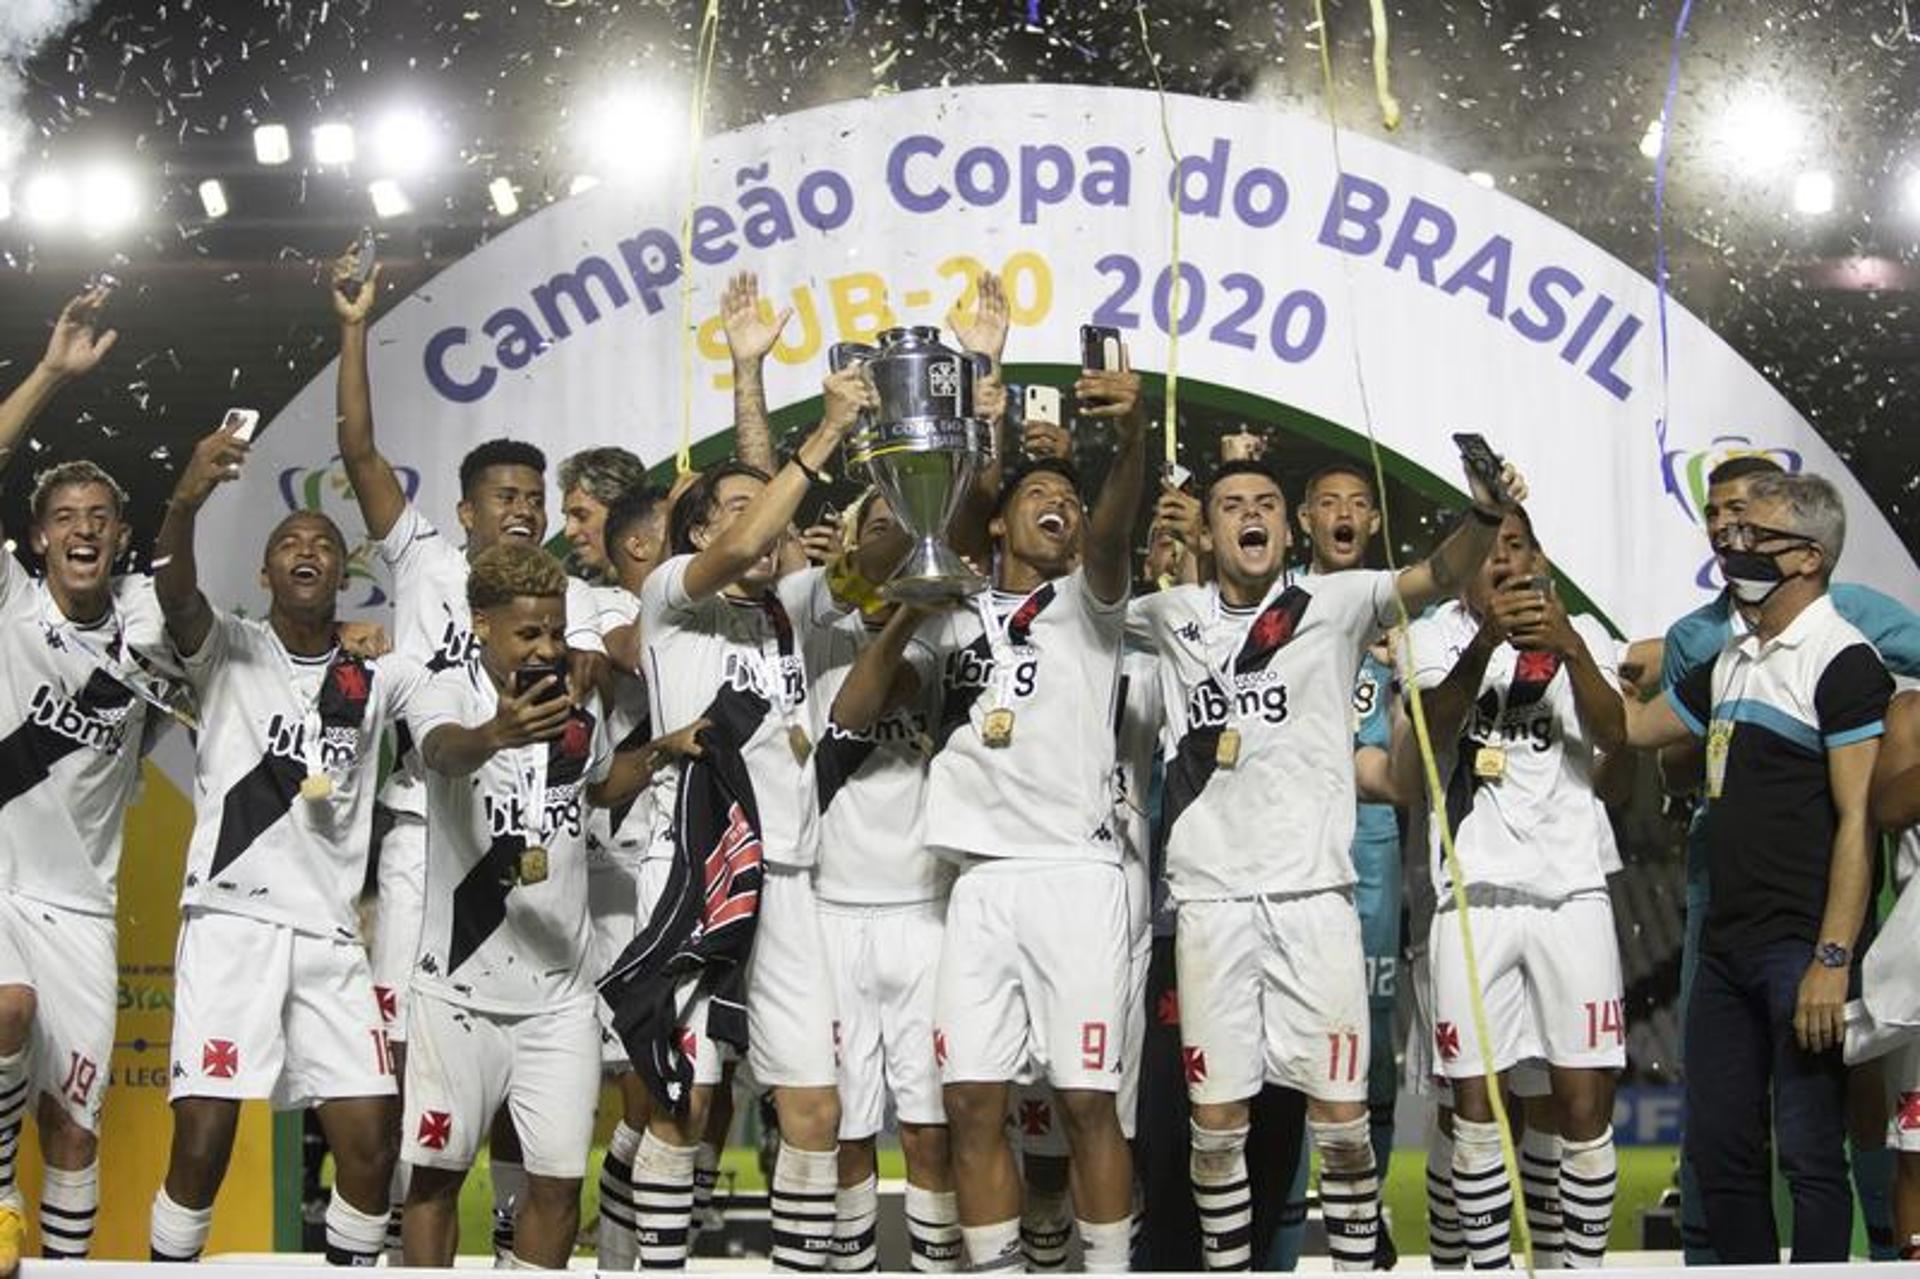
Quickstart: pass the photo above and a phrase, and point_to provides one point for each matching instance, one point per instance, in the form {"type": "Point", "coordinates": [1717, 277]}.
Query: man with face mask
{"type": "Point", "coordinates": [1696, 640]}
{"type": "Point", "coordinates": [1791, 716]}
{"type": "Point", "coordinates": [74, 712]}
{"type": "Point", "coordinates": [273, 996]}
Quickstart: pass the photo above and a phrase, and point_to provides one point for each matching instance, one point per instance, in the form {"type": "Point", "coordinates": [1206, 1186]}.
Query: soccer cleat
{"type": "Point", "coordinates": [13, 1233]}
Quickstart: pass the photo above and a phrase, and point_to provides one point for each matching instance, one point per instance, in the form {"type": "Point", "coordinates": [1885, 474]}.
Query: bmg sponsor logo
{"type": "Point", "coordinates": [326, 489]}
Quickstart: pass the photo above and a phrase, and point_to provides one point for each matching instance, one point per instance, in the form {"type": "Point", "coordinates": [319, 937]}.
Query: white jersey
{"type": "Point", "coordinates": [1137, 740]}
{"type": "Point", "coordinates": [270, 719]}
{"type": "Point", "coordinates": [740, 662]}
{"type": "Point", "coordinates": [1278, 816]}
{"type": "Point", "coordinates": [871, 786]}
{"type": "Point", "coordinates": [488, 942]}
{"type": "Point", "coordinates": [1537, 828]}
{"type": "Point", "coordinates": [634, 831]}
{"type": "Point", "coordinates": [71, 736]}
{"type": "Point", "coordinates": [1051, 659]}
{"type": "Point", "coordinates": [433, 625]}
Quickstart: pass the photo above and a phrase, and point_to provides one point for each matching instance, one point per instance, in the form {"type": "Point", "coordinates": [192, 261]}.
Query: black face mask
{"type": "Point", "coordinates": [1756, 575]}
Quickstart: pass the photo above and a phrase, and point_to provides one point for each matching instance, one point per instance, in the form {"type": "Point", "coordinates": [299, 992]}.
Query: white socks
{"type": "Point", "coordinates": [933, 1230]}
{"type": "Point", "coordinates": [69, 1201]}
{"type": "Point", "coordinates": [616, 1247]}
{"type": "Point", "coordinates": [1483, 1194]}
{"type": "Point", "coordinates": [1540, 1191]}
{"type": "Point", "coordinates": [1349, 1191]}
{"type": "Point", "coordinates": [354, 1238]}
{"type": "Point", "coordinates": [1445, 1248]}
{"type": "Point", "coordinates": [1217, 1164]}
{"type": "Point", "coordinates": [1107, 1246]}
{"type": "Point", "coordinates": [856, 1212]}
{"type": "Point", "coordinates": [1588, 1172]}
{"type": "Point", "coordinates": [176, 1233]}
{"type": "Point", "coordinates": [993, 1247]}
{"type": "Point", "coordinates": [662, 1202]}
{"type": "Point", "coordinates": [801, 1205]}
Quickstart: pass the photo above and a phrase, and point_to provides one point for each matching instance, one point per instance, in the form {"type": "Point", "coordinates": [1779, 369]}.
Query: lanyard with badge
{"type": "Point", "coordinates": [996, 729]}
{"type": "Point", "coordinates": [530, 775]}
{"type": "Point", "coordinates": [773, 674]}
{"type": "Point", "coordinates": [1225, 676]}
{"type": "Point", "coordinates": [117, 662]}
{"type": "Point", "coordinates": [1720, 736]}
{"type": "Point", "coordinates": [318, 784]}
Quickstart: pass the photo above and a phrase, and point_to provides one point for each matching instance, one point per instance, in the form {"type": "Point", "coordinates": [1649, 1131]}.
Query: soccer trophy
{"type": "Point", "coordinates": [922, 447]}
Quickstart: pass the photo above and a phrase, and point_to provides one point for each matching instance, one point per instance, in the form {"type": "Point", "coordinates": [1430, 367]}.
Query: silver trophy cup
{"type": "Point", "coordinates": [922, 447]}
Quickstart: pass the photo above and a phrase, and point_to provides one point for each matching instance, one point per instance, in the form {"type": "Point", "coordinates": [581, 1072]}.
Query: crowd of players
{"type": "Point", "coordinates": [708, 807]}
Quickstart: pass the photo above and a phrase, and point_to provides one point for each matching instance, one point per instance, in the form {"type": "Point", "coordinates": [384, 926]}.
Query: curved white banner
{"type": "Point", "coordinates": [1446, 306]}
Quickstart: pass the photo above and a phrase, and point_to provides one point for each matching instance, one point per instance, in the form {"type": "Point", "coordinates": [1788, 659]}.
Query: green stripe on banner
{"type": "Point", "coordinates": [288, 1130]}
{"type": "Point", "coordinates": [1228, 399]}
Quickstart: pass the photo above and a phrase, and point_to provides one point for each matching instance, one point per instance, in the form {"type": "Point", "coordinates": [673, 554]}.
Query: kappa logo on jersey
{"type": "Point", "coordinates": [436, 1129]}
{"type": "Point", "coordinates": [219, 1059]}
{"type": "Point", "coordinates": [89, 723]}
{"type": "Point", "coordinates": [1446, 1040]}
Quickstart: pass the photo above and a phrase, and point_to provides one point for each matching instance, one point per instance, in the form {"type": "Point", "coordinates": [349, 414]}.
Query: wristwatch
{"type": "Point", "coordinates": [1832, 954]}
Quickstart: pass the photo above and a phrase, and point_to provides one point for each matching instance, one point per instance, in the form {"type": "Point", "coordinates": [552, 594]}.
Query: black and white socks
{"type": "Point", "coordinates": [801, 1205]}
{"type": "Point", "coordinates": [1217, 1163]}
{"type": "Point", "coordinates": [69, 1202]}
{"type": "Point", "coordinates": [933, 1230]}
{"type": "Point", "coordinates": [856, 1212]}
{"type": "Point", "coordinates": [509, 1181]}
{"type": "Point", "coordinates": [354, 1238]}
{"type": "Point", "coordinates": [616, 1247]}
{"type": "Point", "coordinates": [1446, 1250]}
{"type": "Point", "coordinates": [1349, 1191]}
{"type": "Point", "coordinates": [1046, 1228]}
{"type": "Point", "coordinates": [14, 1090]}
{"type": "Point", "coordinates": [662, 1202]}
{"type": "Point", "coordinates": [1540, 1191]}
{"type": "Point", "coordinates": [706, 1175]}
{"type": "Point", "coordinates": [1483, 1194]}
{"type": "Point", "coordinates": [1588, 1173]}
{"type": "Point", "coordinates": [176, 1233]}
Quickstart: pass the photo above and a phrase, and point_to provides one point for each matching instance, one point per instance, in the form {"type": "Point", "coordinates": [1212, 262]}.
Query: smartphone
{"type": "Point", "coordinates": [243, 423]}
{"type": "Point", "coordinates": [1480, 460]}
{"type": "Point", "coordinates": [1040, 404]}
{"type": "Point", "coordinates": [1099, 346]}
{"type": "Point", "coordinates": [1177, 475]}
{"type": "Point", "coordinates": [106, 282]}
{"type": "Point", "coordinates": [526, 677]}
{"type": "Point", "coordinates": [365, 254]}
{"type": "Point", "coordinates": [842, 354]}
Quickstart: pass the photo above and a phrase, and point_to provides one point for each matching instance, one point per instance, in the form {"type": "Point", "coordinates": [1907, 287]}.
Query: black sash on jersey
{"type": "Point", "coordinates": [638, 736]}
{"type": "Point", "coordinates": [1193, 764]}
{"type": "Point", "coordinates": [480, 899]}
{"type": "Point", "coordinates": [265, 792]}
{"type": "Point", "coordinates": [1532, 673]}
{"type": "Point", "coordinates": [956, 703]}
{"type": "Point", "coordinates": [29, 752]}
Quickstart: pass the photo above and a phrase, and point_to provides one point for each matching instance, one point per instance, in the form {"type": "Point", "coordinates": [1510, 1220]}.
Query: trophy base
{"type": "Point", "coordinates": [932, 574]}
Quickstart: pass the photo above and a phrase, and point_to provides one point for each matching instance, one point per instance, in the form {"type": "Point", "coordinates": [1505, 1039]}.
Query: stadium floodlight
{"type": "Point", "coordinates": [333, 144]}
{"type": "Point", "coordinates": [272, 144]}
{"type": "Point", "coordinates": [213, 198]}
{"type": "Point", "coordinates": [506, 202]}
{"type": "Point", "coordinates": [1813, 193]}
{"type": "Point", "coordinates": [389, 201]}
{"type": "Point", "coordinates": [47, 199]}
{"type": "Point", "coordinates": [404, 142]}
{"type": "Point", "coordinates": [109, 200]}
{"type": "Point", "coordinates": [1760, 131]}
{"type": "Point", "coordinates": [632, 133]}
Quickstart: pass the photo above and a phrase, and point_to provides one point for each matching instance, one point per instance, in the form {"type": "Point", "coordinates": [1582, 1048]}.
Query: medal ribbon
{"type": "Point", "coordinates": [114, 662]}
{"type": "Point", "coordinates": [773, 672]}
{"type": "Point", "coordinates": [1004, 637]}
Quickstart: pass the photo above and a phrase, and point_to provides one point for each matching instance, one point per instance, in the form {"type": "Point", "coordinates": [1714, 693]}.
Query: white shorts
{"type": "Point", "coordinates": [885, 962]}
{"type": "Point", "coordinates": [1272, 990]}
{"type": "Point", "coordinates": [1419, 1072]}
{"type": "Point", "coordinates": [399, 907]}
{"type": "Point", "coordinates": [790, 997]}
{"type": "Point", "coordinates": [1034, 975]}
{"type": "Point", "coordinates": [67, 957]}
{"type": "Point", "coordinates": [1139, 960]}
{"type": "Point", "coordinates": [260, 1010]}
{"type": "Point", "coordinates": [1900, 1075]}
{"type": "Point", "coordinates": [462, 1065]}
{"type": "Point", "coordinates": [1551, 976]}
{"type": "Point", "coordinates": [613, 907]}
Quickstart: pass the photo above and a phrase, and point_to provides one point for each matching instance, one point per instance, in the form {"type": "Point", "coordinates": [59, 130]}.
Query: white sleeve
{"type": "Point", "coordinates": [1383, 602]}
{"type": "Point", "coordinates": [437, 702]}
{"type": "Point", "coordinates": [583, 620]}
{"type": "Point", "coordinates": [665, 590]}
{"type": "Point", "coordinates": [808, 600]}
{"type": "Point", "coordinates": [224, 637]}
{"type": "Point", "coordinates": [1427, 651]}
{"type": "Point", "coordinates": [406, 542]}
{"type": "Point", "coordinates": [404, 678]}
{"type": "Point", "coordinates": [1143, 629]}
{"type": "Point", "coordinates": [614, 608]}
{"type": "Point", "coordinates": [14, 581]}
{"type": "Point", "coordinates": [600, 753]}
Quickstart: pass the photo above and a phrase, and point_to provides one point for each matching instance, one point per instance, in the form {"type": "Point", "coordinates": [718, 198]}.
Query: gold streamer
{"type": "Point", "coordinates": [1436, 793]}
{"type": "Point", "coordinates": [1175, 289]}
{"type": "Point", "coordinates": [1382, 85]}
{"type": "Point", "coordinates": [708, 41]}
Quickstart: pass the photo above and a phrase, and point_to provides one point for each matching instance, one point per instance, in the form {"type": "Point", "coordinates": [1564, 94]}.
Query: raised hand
{"type": "Point", "coordinates": [216, 459]}
{"type": "Point", "coordinates": [352, 301]}
{"type": "Point", "coordinates": [751, 325]}
{"type": "Point", "coordinates": [847, 392]}
{"type": "Point", "coordinates": [1513, 490]}
{"type": "Point", "coordinates": [537, 715]}
{"type": "Point", "coordinates": [76, 344]}
{"type": "Point", "coordinates": [985, 331]}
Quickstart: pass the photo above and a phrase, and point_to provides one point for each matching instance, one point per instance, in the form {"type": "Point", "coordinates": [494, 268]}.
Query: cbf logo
{"type": "Point", "coordinates": [326, 489]}
{"type": "Point", "coordinates": [1684, 472]}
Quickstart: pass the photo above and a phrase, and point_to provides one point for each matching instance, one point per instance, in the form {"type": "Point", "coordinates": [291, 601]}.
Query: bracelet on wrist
{"type": "Point", "coordinates": [813, 476]}
{"type": "Point", "coordinates": [1491, 518]}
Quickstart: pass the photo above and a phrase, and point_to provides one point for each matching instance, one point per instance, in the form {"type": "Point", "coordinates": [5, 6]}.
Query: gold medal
{"type": "Point", "coordinates": [1490, 763]}
{"type": "Point", "coordinates": [533, 864]}
{"type": "Point", "coordinates": [997, 730]}
{"type": "Point", "coordinates": [1719, 741]}
{"type": "Point", "coordinates": [1226, 751]}
{"type": "Point", "coordinates": [316, 786]}
{"type": "Point", "coordinates": [799, 743]}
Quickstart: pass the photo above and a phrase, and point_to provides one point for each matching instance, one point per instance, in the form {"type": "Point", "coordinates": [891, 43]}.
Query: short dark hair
{"type": "Point", "coordinates": [73, 475]}
{"type": "Point", "coordinates": [1739, 468]}
{"type": "Point", "coordinates": [1026, 470]}
{"type": "Point", "coordinates": [499, 453]}
{"type": "Point", "coordinates": [695, 506]}
{"type": "Point", "coordinates": [603, 474]}
{"type": "Point", "coordinates": [1341, 466]}
{"type": "Point", "coordinates": [508, 571]}
{"type": "Point", "coordinates": [634, 507]}
{"type": "Point", "coordinates": [1242, 466]}
{"type": "Point", "coordinates": [333, 530]}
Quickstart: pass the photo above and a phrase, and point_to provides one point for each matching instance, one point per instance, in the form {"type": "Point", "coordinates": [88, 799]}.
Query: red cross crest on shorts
{"type": "Point", "coordinates": [389, 1001]}
{"type": "Point", "coordinates": [219, 1059]}
{"type": "Point", "coordinates": [1036, 1118]}
{"type": "Point", "coordinates": [1908, 1115]}
{"type": "Point", "coordinates": [939, 1047]}
{"type": "Point", "coordinates": [1195, 1062]}
{"type": "Point", "coordinates": [436, 1127]}
{"type": "Point", "coordinates": [1446, 1040]}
